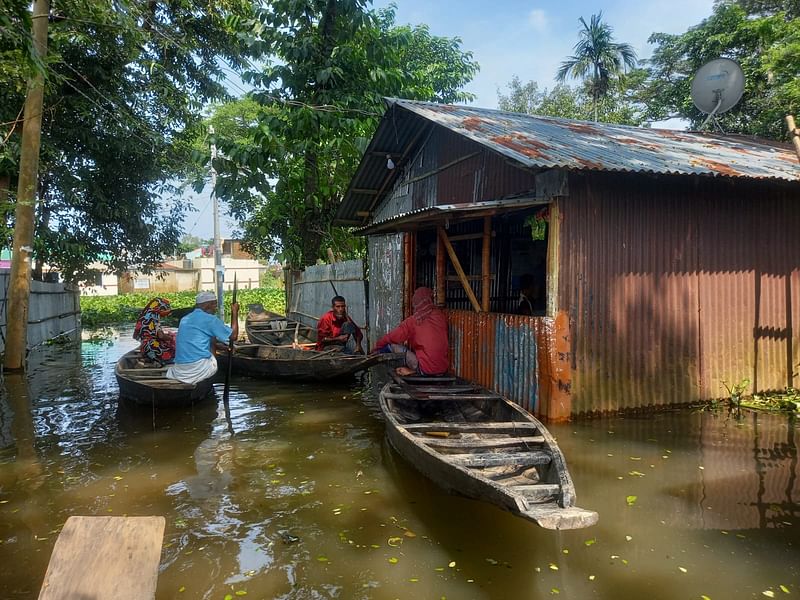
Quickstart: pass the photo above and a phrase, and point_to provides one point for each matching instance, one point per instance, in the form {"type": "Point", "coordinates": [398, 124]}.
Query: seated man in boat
{"type": "Point", "coordinates": [155, 344]}
{"type": "Point", "coordinates": [336, 329]}
{"type": "Point", "coordinates": [422, 337]}
{"type": "Point", "coordinates": [194, 356]}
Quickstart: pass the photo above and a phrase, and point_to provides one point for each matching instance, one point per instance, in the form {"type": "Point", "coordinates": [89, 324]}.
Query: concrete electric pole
{"type": "Point", "coordinates": [219, 270]}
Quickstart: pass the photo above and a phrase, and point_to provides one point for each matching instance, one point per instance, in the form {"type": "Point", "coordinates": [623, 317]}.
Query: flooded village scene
{"type": "Point", "coordinates": [359, 299]}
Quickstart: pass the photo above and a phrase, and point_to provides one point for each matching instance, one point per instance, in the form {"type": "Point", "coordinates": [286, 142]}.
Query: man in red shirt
{"type": "Point", "coordinates": [336, 329]}
{"type": "Point", "coordinates": [422, 337]}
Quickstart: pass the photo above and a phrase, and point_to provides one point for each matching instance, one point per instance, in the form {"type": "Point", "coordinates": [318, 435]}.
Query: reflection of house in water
{"type": "Point", "coordinates": [750, 476]}
{"type": "Point", "coordinates": [720, 473]}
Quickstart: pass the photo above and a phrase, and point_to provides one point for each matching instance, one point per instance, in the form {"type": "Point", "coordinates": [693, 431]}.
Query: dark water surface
{"type": "Point", "coordinates": [304, 498]}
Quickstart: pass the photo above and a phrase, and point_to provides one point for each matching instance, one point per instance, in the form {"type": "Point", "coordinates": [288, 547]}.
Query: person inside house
{"type": "Point", "coordinates": [422, 338]}
{"type": "Point", "coordinates": [156, 344]}
{"type": "Point", "coordinates": [197, 334]}
{"type": "Point", "coordinates": [527, 295]}
{"type": "Point", "coordinates": [336, 330]}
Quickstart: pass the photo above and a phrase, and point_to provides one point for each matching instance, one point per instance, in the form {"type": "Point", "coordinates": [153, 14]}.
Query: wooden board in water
{"type": "Point", "coordinates": [105, 557]}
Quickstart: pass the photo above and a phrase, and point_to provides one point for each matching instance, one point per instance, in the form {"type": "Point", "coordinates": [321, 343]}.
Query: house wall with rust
{"type": "Point", "coordinates": [675, 285]}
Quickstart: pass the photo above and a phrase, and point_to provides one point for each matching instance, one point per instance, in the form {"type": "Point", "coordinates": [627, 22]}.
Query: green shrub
{"type": "Point", "coordinates": [125, 308]}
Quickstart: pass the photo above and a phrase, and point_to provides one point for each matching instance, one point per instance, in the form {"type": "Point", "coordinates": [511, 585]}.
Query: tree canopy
{"type": "Point", "coordinates": [619, 106]}
{"type": "Point", "coordinates": [125, 84]}
{"type": "Point", "coordinates": [762, 36]}
{"type": "Point", "coordinates": [318, 100]}
{"type": "Point", "coordinates": [598, 60]}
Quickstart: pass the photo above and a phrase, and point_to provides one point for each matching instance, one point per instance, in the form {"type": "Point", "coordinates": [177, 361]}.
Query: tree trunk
{"type": "Point", "coordinates": [19, 282]}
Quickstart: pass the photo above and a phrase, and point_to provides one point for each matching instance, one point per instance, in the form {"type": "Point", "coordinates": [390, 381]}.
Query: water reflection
{"type": "Point", "coordinates": [294, 493]}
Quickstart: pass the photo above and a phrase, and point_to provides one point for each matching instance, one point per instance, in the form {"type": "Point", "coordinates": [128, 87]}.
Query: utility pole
{"type": "Point", "coordinates": [19, 287]}
{"type": "Point", "coordinates": [219, 271]}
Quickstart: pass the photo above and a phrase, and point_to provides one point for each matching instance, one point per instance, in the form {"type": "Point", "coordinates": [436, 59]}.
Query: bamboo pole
{"type": "Point", "coordinates": [794, 133]}
{"type": "Point", "coordinates": [486, 263]}
{"type": "Point", "coordinates": [459, 271]}
{"type": "Point", "coordinates": [20, 280]}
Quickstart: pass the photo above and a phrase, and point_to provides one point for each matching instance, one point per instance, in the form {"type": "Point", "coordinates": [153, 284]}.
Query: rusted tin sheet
{"type": "Point", "coordinates": [674, 285]}
{"type": "Point", "coordinates": [499, 352]}
{"type": "Point", "coordinates": [548, 142]}
{"type": "Point", "coordinates": [385, 284]}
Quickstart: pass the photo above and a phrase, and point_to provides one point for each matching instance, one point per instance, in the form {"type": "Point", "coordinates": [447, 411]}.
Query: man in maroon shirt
{"type": "Point", "coordinates": [422, 337]}
{"type": "Point", "coordinates": [336, 329]}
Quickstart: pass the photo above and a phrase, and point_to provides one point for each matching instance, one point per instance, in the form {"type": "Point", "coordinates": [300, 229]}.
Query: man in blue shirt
{"type": "Point", "coordinates": [194, 356]}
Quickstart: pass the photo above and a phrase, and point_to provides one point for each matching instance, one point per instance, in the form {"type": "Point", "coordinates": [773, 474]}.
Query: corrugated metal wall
{"type": "Point", "coordinates": [386, 277]}
{"type": "Point", "coordinates": [313, 288]}
{"type": "Point", "coordinates": [675, 284]}
{"type": "Point", "coordinates": [499, 352]}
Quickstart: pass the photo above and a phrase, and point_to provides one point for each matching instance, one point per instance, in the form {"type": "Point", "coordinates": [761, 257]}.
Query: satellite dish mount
{"type": "Point", "coordinates": [717, 87]}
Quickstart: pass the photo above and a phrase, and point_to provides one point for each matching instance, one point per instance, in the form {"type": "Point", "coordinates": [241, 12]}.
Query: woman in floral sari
{"type": "Point", "coordinates": [155, 343]}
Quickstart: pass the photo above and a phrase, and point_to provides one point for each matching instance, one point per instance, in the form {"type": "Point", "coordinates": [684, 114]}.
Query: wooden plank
{"type": "Point", "coordinates": [487, 427]}
{"type": "Point", "coordinates": [538, 492]}
{"type": "Point", "coordinates": [459, 270]}
{"type": "Point", "coordinates": [496, 442]}
{"type": "Point", "coordinates": [497, 459]}
{"type": "Point", "coordinates": [105, 557]}
{"type": "Point", "coordinates": [486, 263]}
{"type": "Point", "coordinates": [422, 379]}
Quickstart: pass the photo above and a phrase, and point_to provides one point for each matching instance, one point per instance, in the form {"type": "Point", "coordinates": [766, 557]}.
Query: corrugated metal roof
{"type": "Point", "coordinates": [547, 142]}
{"type": "Point", "coordinates": [428, 215]}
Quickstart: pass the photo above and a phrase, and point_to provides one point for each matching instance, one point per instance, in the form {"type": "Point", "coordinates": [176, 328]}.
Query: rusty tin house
{"type": "Point", "coordinates": [666, 265]}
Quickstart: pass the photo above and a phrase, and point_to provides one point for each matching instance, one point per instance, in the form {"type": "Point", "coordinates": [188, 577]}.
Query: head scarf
{"type": "Point", "coordinates": [150, 318]}
{"type": "Point", "coordinates": [422, 303]}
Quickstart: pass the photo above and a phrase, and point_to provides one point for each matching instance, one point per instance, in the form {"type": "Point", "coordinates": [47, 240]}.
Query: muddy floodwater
{"type": "Point", "coordinates": [298, 495]}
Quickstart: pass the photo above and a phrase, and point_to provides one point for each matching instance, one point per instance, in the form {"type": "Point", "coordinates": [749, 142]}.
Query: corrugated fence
{"type": "Point", "coordinates": [54, 310]}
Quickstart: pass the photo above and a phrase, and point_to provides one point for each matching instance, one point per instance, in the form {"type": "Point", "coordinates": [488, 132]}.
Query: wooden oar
{"type": "Point", "coordinates": [227, 390]}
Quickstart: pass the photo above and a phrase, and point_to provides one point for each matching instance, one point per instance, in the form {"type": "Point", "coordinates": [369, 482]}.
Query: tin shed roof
{"type": "Point", "coordinates": [547, 142]}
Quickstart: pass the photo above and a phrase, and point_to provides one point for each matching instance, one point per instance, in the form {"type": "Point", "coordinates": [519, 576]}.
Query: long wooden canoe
{"type": "Point", "coordinates": [149, 386]}
{"type": "Point", "coordinates": [478, 444]}
{"type": "Point", "coordinates": [269, 328]}
{"type": "Point", "coordinates": [280, 362]}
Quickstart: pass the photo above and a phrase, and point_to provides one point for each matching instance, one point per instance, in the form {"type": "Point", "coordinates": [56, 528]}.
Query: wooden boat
{"type": "Point", "coordinates": [478, 444]}
{"type": "Point", "coordinates": [271, 329]}
{"type": "Point", "coordinates": [282, 362]}
{"type": "Point", "coordinates": [149, 386]}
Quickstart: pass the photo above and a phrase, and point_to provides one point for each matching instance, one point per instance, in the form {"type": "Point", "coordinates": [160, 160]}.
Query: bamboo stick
{"type": "Point", "coordinates": [794, 133]}
{"type": "Point", "coordinates": [459, 270]}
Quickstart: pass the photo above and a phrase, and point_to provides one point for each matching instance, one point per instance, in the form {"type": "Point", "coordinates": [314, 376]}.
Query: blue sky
{"type": "Point", "coordinates": [516, 37]}
{"type": "Point", "coordinates": [531, 38]}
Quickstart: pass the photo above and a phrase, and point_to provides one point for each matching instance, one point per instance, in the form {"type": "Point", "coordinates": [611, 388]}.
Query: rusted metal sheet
{"type": "Point", "coordinates": [499, 352]}
{"type": "Point", "coordinates": [385, 284]}
{"type": "Point", "coordinates": [547, 142]}
{"type": "Point", "coordinates": [662, 310]}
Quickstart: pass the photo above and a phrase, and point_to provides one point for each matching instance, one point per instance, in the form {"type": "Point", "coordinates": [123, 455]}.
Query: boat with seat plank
{"type": "Point", "coordinates": [269, 328]}
{"type": "Point", "coordinates": [283, 362]}
{"type": "Point", "coordinates": [476, 443]}
{"type": "Point", "coordinates": [145, 384]}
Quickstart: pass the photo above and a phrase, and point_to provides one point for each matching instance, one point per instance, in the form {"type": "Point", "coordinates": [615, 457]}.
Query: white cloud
{"type": "Point", "coordinates": [537, 19]}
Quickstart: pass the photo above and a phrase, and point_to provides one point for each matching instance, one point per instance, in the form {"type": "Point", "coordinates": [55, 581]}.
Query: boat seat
{"type": "Point", "coordinates": [494, 459]}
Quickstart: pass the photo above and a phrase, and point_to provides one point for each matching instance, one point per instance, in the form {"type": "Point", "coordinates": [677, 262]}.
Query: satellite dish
{"type": "Point", "coordinates": [717, 87]}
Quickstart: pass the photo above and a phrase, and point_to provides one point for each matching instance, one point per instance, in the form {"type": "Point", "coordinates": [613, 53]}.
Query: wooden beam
{"type": "Point", "coordinates": [363, 213]}
{"type": "Point", "coordinates": [441, 272]}
{"type": "Point", "coordinates": [460, 271]}
{"type": "Point", "coordinates": [363, 191]}
{"type": "Point", "coordinates": [486, 264]}
{"type": "Point", "coordinates": [468, 236]}
{"type": "Point", "coordinates": [105, 557]}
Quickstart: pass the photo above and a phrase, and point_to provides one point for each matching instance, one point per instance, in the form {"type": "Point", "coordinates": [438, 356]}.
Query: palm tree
{"type": "Point", "coordinates": [598, 59]}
